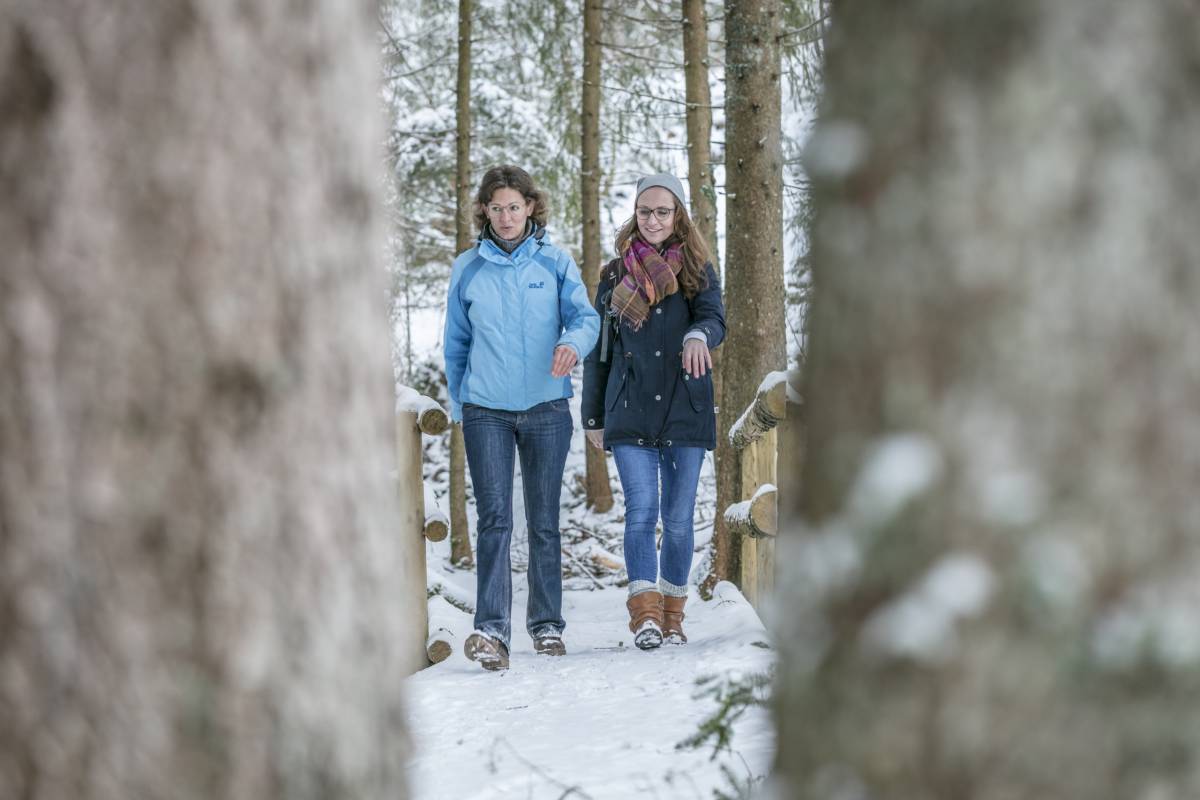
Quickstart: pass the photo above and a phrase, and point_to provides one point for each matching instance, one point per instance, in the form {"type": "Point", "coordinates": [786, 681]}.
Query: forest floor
{"type": "Point", "coordinates": [606, 720]}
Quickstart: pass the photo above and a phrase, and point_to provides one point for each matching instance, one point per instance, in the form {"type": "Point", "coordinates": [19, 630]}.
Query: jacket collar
{"type": "Point", "coordinates": [525, 250]}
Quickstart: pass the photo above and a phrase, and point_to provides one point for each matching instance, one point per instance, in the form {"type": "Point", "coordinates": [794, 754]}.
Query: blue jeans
{"type": "Point", "coordinates": [542, 437]}
{"type": "Point", "coordinates": [639, 468]}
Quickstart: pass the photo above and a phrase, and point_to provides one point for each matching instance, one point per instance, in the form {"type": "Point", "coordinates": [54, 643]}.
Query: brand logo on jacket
{"type": "Point", "coordinates": [538, 285]}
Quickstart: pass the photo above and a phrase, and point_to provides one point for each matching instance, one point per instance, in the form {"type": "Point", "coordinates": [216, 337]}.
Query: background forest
{"type": "Point", "coordinates": [526, 86]}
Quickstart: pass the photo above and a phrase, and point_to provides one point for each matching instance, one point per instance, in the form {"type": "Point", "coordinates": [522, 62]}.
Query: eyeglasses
{"type": "Point", "coordinates": [662, 214]}
{"type": "Point", "coordinates": [513, 209]}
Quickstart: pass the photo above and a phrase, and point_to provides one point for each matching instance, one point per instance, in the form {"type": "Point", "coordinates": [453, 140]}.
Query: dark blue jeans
{"type": "Point", "coordinates": [542, 437]}
{"type": "Point", "coordinates": [640, 468]}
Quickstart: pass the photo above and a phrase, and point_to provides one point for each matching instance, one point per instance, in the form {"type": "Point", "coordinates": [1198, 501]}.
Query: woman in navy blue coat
{"type": "Point", "coordinates": [648, 394]}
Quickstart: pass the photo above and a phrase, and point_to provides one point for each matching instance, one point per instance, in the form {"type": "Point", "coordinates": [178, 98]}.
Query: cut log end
{"type": "Point", "coordinates": [439, 647]}
{"type": "Point", "coordinates": [436, 529]}
{"type": "Point", "coordinates": [433, 420]}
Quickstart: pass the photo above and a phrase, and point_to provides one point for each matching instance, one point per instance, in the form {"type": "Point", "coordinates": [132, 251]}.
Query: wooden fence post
{"type": "Point", "coordinates": [410, 489]}
{"type": "Point", "coordinates": [756, 517]}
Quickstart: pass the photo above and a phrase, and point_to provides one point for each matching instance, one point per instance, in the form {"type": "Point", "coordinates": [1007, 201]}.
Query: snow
{"type": "Point", "coordinates": [408, 399]}
{"type": "Point", "coordinates": [772, 380]}
{"type": "Point", "coordinates": [605, 719]}
{"type": "Point", "coordinates": [433, 509]}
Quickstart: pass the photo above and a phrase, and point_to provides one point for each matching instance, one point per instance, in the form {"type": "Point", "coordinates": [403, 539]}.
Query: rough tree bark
{"type": "Point", "coordinates": [598, 484]}
{"type": "Point", "coordinates": [197, 519]}
{"type": "Point", "coordinates": [996, 546]}
{"type": "Point", "coordinates": [701, 178]}
{"type": "Point", "coordinates": [754, 292]}
{"type": "Point", "coordinates": [701, 181]}
{"type": "Point", "coordinates": [460, 533]}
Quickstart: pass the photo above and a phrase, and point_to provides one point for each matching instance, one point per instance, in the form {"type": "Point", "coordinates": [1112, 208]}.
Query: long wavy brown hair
{"type": "Point", "coordinates": [508, 176]}
{"type": "Point", "coordinates": [692, 276]}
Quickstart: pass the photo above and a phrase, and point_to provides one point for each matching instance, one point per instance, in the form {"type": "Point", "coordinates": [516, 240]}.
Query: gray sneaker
{"type": "Point", "coordinates": [549, 644]}
{"type": "Point", "coordinates": [491, 653]}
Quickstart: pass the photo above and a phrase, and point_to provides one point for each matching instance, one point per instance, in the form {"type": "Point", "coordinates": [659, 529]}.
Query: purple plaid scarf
{"type": "Point", "coordinates": [649, 277]}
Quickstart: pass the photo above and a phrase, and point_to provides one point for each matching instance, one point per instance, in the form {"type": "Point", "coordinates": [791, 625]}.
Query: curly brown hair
{"type": "Point", "coordinates": [508, 176]}
{"type": "Point", "coordinates": [692, 276]}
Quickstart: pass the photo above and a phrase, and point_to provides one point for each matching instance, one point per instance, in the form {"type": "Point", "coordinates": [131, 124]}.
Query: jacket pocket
{"type": "Point", "coordinates": [614, 395]}
{"type": "Point", "coordinates": [700, 392]}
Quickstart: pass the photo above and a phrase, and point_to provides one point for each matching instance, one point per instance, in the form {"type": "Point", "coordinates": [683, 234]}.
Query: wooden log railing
{"type": "Point", "coordinates": [755, 519]}
{"type": "Point", "coordinates": [421, 517]}
{"type": "Point", "coordinates": [431, 417]}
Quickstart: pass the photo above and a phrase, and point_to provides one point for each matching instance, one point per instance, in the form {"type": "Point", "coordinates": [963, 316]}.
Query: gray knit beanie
{"type": "Point", "coordinates": [668, 182]}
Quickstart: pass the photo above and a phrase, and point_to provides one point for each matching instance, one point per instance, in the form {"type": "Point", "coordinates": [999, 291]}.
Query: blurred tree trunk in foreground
{"type": "Point", "coordinates": [994, 558]}
{"type": "Point", "coordinates": [197, 523]}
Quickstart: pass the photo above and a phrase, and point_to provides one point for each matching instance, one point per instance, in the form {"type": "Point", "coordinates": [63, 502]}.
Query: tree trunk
{"type": "Point", "coordinates": [995, 548]}
{"type": "Point", "coordinates": [754, 292]}
{"type": "Point", "coordinates": [701, 181]}
{"type": "Point", "coordinates": [701, 178]}
{"type": "Point", "coordinates": [460, 533]}
{"type": "Point", "coordinates": [599, 487]}
{"type": "Point", "coordinates": [197, 516]}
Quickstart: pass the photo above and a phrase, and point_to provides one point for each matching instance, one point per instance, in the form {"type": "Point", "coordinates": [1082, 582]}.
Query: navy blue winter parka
{"type": "Point", "coordinates": [639, 392]}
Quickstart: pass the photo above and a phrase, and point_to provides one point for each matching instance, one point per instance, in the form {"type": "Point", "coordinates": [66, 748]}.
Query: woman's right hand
{"type": "Point", "coordinates": [595, 438]}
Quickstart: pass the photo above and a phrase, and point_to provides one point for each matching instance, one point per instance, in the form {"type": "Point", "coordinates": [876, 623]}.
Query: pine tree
{"type": "Point", "coordinates": [754, 290]}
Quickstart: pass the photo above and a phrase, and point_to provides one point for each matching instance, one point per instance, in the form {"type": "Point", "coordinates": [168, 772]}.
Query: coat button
{"type": "Point", "coordinates": [658, 397]}
{"type": "Point", "coordinates": [685, 377]}
{"type": "Point", "coordinates": [658, 311]}
{"type": "Point", "coordinates": [657, 353]}
{"type": "Point", "coordinates": [592, 421]}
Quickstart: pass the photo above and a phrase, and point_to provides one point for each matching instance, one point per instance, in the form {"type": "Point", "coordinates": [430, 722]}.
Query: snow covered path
{"type": "Point", "coordinates": [602, 721]}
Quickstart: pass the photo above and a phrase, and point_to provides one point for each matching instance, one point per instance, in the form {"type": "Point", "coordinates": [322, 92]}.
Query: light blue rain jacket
{"type": "Point", "coordinates": [505, 316]}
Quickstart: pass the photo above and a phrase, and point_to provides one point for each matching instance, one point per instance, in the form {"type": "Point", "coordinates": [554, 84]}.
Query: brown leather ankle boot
{"type": "Point", "coordinates": [646, 619]}
{"type": "Point", "coordinates": [673, 619]}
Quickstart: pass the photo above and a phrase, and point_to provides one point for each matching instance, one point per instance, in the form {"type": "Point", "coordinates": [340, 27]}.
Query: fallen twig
{"type": "Point", "coordinates": [582, 568]}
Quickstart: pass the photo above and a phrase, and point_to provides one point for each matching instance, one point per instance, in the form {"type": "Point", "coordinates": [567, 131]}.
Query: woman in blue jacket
{"type": "Point", "coordinates": [648, 394]}
{"type": "Point", "coordinates": [518, 320]}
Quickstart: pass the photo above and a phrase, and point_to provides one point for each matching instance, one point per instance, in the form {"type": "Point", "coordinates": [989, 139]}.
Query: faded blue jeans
{"type": "Point", "coordinates": [640, 468]}
{"type": "Point", "coordinates": [542, 437]}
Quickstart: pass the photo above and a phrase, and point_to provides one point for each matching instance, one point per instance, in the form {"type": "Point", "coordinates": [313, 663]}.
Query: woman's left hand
{"type": "Point", "coordinates": [564, 361]}
{"type": "Point", "coordinates": [697, 359]}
